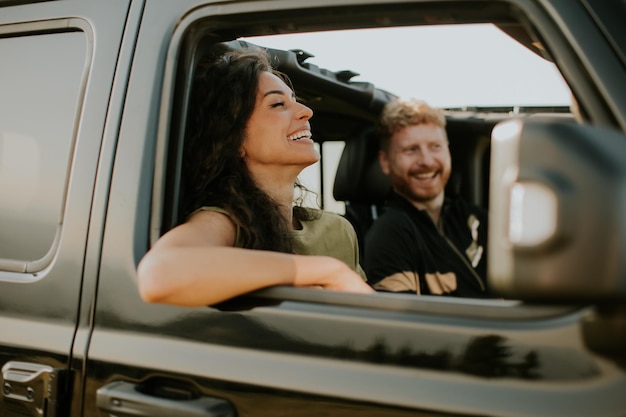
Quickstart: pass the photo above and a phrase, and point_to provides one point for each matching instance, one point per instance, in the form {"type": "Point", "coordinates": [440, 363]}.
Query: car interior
{"type": "Point", "coordinates": [346, 110]}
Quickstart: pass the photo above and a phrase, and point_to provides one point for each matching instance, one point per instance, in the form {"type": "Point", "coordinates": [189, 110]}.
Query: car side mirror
{"type": "Point", "coordinates": [557, 228]}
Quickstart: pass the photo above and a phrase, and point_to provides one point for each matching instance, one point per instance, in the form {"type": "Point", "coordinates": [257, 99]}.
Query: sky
{"type": "Point", "coordinates": [448, 66]}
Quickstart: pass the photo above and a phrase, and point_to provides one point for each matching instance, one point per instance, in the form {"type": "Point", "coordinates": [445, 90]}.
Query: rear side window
{"type": "Point", "coordinates": [41, 77]}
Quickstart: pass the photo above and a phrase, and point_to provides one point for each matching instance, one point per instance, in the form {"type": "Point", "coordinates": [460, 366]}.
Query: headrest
{"type": "Point", "coordinates": [359, 177]}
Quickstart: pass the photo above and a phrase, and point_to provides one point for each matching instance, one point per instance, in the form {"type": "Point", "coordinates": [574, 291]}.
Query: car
{"type": "Point", "coordinates": [92, 129]}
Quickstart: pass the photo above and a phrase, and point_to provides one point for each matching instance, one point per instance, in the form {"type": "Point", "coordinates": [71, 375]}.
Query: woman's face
{"type": "Point", "coordinates": [278, 133]}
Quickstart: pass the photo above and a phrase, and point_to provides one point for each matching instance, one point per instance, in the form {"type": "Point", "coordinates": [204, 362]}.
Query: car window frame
{"type": "Point", "coordinates": [178, 73]}
{"type": "Point", "coordinates": [26, 269]}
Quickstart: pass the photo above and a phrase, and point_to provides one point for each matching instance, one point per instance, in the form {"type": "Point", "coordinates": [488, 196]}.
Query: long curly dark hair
{"type": "Point", "coordinates": [222, 100]}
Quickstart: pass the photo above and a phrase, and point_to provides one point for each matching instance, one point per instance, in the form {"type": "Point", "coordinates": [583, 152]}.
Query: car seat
{"type": "Point", "coordinates": [360, 182]}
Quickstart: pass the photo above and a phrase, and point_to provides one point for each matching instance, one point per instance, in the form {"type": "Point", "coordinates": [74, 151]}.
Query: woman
{"type": "Point", "coordinates": [250, 139]}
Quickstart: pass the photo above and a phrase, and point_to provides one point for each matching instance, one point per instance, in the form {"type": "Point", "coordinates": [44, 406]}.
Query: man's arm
{"type": "Point", "coordinates": [391, 256]}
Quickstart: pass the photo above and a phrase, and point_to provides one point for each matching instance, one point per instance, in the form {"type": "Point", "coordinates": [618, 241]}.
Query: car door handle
{"type": "Point", "coordinates": [32, 389]}
{"type": "Point", "coordinates": [121, 398]}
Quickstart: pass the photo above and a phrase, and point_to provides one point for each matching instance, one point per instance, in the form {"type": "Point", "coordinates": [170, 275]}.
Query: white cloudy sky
{"type": "Point", "coordinates": [444, 65]}
{"type": "Point", "coordinates": [447, 66]}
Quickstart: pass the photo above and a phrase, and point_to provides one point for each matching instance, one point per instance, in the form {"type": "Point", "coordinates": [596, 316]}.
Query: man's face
{"type": "Point", "coordinates": [418, 162]}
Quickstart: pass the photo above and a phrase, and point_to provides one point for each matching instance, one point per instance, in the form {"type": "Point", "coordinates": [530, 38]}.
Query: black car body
{"type": "Point", "coordinates": [99, 183]}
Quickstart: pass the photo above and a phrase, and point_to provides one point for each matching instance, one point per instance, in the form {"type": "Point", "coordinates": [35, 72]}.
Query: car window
{"type": "Point", "coordinates": [320, 177]}
{"type": "Point", "coordinates": [478, 73]}
{"type": "Point", "coordinates": [47, 90]}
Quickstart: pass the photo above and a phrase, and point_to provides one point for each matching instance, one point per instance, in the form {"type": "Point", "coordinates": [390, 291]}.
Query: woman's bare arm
{"type": "Point", "coordinates": [196, 264]}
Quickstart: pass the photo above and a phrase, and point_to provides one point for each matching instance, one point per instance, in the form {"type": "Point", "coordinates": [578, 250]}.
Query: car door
{"type": "Point", "coordinates": [301, 352]}
{"type": "Point", "coordinates": [56, 71]}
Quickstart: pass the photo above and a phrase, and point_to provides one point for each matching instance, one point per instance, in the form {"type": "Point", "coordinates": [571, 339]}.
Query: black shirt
{"type": "Point", "coordinates": [406, 252]}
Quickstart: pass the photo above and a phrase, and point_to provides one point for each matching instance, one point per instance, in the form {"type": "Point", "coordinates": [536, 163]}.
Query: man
{"type": "Point", "coordinates": [425, 242]}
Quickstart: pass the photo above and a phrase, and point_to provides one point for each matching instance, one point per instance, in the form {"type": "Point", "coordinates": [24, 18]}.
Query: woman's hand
{"type": "Point", "coordinates": [328, 273]}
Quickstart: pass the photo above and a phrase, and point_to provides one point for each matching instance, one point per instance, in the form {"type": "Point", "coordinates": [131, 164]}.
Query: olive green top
{"type": "Point", "coordinates": [329, 234]}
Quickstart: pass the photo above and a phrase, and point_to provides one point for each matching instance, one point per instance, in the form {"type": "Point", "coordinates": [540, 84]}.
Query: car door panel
{"type": "Point", "coordinates": [304, 352]}
{"type": "Point", "coordinates": [40, 300]}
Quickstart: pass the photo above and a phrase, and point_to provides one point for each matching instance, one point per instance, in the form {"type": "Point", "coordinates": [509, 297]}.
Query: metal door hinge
{"type": "Point", "coordinates": [32, 389]}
